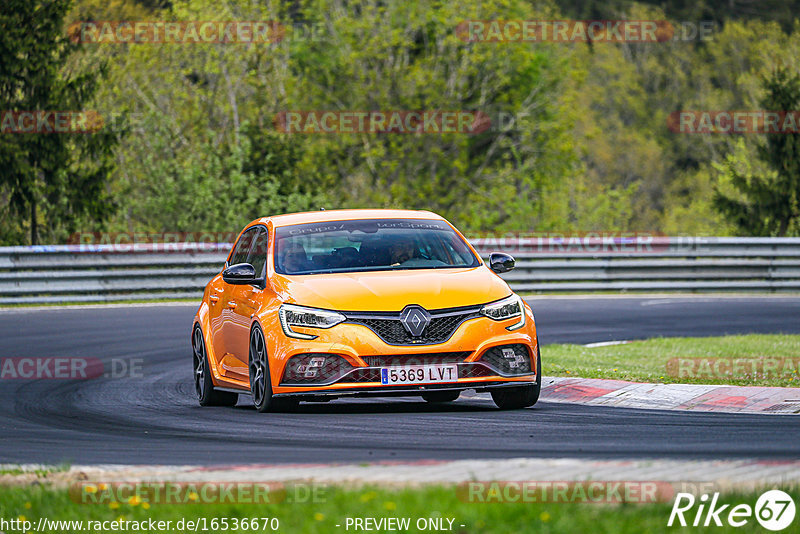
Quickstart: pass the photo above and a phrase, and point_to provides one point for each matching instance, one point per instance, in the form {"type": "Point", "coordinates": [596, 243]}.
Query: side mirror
{"type": "Point", "coordinates": [239, 274]}
{"type": "Point", "coordinates": [500, 262]}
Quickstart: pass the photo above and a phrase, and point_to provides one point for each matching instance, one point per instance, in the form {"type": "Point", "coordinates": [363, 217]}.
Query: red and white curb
{"type": "Point", "coordinates": [691, 397]}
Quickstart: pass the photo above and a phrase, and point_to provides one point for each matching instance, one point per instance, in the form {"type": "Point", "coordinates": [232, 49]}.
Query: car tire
{"type": "Point", "coordinates": [514, 398]}
{"type": "Point", "coordinates": [438, 397]}
{"type": "Point", "coordinates": [260, 381]}
{"type": "Point", "coordinates": [203, 385]}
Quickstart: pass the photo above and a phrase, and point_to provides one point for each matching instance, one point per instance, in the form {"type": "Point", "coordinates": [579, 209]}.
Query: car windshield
{"type": "Point", "coordinates": [369, 245]}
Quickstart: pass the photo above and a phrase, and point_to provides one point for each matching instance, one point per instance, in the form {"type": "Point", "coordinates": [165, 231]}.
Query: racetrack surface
{"type": "Point", "coordinates": [156, 420]}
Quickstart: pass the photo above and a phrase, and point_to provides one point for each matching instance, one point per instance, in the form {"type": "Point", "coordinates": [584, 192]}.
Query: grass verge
{"type": "Point", "coordinates": [335, 505]}
{"type": "Point", "coordinates": [41, 472]}
{"type": "Point", "coordinates": [747, 360]}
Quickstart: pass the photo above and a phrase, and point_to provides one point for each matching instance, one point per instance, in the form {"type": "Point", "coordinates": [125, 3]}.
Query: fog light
{"type": "Point", "coordinates": [508, 359]}
{"type": "Point", "coordinates": [514, 359]}
{"type": "Point", "coordinates": [314, 368]}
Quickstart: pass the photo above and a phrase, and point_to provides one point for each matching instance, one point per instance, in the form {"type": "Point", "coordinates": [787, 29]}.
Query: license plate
{"type": "Point", "coordinates": [419, 374]}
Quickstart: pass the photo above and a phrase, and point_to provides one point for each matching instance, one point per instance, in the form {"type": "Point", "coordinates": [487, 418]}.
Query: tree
{"type": "Point", "coordinates": [767, 204]}
{"type": "Point", "coordinates": [400, 55]}
{"type": "Point", "coordinates": [203, 153]}
{"type": "Point", "coordinates": [49, 179]}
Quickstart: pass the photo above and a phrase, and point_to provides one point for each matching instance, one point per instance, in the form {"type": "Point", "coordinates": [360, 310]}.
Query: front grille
{"type": "Point", "coordinates": [388, 327]}
{"type": "Point", "coordinates": [389, 360]}
{"type": "Point", "coordinates": [322, 369]}
{"type": "Point", "coordinates": [364, 375]}
{"type": "Point", "coordinates": [473, 370]}
{"type": "Point", "coordinates": [465, 370]}
{"type": "Point", "coordinates": [508, 359]}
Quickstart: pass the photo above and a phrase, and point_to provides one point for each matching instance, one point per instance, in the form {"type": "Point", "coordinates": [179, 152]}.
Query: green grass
{"type": "Point", "coordinates": [647, 361]}
{"type": "Point", "coordinates": [41, 472]}
{"type": "Point", "coordinates": [335, 505]}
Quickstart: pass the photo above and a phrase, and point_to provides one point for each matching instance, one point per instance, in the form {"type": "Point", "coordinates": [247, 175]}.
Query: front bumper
{"type": "Point", "coordinates": [359, 346]}
{"type": "Point", "coordinates": [400, 391]}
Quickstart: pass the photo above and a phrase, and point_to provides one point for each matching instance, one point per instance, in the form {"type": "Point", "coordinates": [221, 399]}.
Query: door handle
{"type": "Point", "coordinates": [213, 298]}
{"type": "Point", "coordinates": [231, 304]}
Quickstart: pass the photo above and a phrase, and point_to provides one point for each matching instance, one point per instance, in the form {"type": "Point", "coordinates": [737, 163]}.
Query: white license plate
{"type": "Point", "coordinates": [419, 374]}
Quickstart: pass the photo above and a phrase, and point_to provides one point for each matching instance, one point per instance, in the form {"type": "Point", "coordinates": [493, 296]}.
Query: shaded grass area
{"type": "Point", "coordinates": [748, 360]}
{"type": "Point", "coordinates": [334, 505]}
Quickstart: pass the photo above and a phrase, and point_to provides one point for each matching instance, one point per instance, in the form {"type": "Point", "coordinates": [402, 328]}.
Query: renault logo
{"type": "Point", "coordinates": [415, 319]}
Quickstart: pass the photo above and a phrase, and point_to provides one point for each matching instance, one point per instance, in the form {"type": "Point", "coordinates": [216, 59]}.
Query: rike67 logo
{"type": "Point", "coordinates": [774, 510]}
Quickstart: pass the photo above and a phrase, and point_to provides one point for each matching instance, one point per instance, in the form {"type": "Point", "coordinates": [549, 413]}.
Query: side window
{"type": "Point", "coordinates": [258, 254]}
{"type": "Point", "coordinates": [242, 247]}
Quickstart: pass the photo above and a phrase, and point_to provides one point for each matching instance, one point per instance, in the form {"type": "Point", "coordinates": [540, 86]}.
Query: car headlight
{"type": "Point", "coordinates": [293, 315]}
{"type": "Point", "coordinates": [506, 309]}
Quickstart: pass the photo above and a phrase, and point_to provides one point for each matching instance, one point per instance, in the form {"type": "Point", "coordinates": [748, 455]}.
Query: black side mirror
{"type": "Point", "coordinates": [500, 262]}
{"type": "Point", "coordinates": [239, 274]}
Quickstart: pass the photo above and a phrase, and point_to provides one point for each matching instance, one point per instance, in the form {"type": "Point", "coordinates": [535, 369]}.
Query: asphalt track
{"type": "Point", "coordinates": [156, 420]}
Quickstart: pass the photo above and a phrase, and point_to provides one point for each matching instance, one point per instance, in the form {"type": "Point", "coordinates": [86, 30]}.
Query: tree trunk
{"type": "Point", "coordinates": [784, 227]}
{"type": "Point", "coordinates": [34, 233]}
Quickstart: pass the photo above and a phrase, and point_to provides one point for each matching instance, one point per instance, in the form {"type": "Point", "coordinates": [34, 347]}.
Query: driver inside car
{"type": "Point", "coordinates": [294, 258]}
{"type": "Point", "coordinates": [401, 251]}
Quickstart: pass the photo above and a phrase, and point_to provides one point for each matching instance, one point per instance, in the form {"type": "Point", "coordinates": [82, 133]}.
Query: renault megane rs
{"type": "Point", "coordinates": [320, 305]}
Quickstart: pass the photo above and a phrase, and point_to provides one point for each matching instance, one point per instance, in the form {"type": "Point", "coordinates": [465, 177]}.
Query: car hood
{"type": "Point", "coordinates": [393, 290]}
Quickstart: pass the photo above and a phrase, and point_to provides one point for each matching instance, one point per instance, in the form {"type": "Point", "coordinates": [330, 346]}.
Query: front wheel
{"type": "Point", "coordinates": [204, 387]}
{"type": "Point", "coordinates": [514, 398]}
{"type": "Point", "coordinates": [260, 382]}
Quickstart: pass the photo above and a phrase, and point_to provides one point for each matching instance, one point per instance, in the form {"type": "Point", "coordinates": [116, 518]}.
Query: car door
{"type": "Point", "coordinates": [222, 314]}
{"type": "Point", "coordinates": [246, 301]}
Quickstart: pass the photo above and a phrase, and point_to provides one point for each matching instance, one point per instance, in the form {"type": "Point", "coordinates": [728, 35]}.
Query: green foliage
{"type": "Point", "coordinates": [578, 140]}
{"type": "Point", "coordinates": [767, 204]}
{"type": "Point", "coordinates": [55, 181]}
{"type": "Point", "coordinates": [216, 188]}
{"type": "Point", "coordinates": [202, 154]}
{"type": "Point", "coordinates": [407, 56]}
{"type": "Point", "coordinates": [719, 11]}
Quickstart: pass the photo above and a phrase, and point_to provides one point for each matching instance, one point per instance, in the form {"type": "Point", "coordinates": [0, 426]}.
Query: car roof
{"type": "Point", "coordinates": [346, 215]}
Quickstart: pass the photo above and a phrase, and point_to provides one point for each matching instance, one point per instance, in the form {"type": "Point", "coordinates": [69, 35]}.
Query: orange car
{"type": "Point", "coordinates": [320, 305]}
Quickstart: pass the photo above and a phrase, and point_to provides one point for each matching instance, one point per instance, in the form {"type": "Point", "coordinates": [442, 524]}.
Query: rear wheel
{"type": "Point", "coordinates": [204, 387]}
{"type": "Point", "coordinates": [260, 382]}
{"type": "Point", "coordinates": [438, 397]}
{"type": "Point", "coordinates": [513, 398]}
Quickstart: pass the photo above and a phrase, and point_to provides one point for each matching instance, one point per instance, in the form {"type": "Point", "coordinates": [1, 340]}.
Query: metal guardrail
{"type": "Point", "coordinates": [98, 273]}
